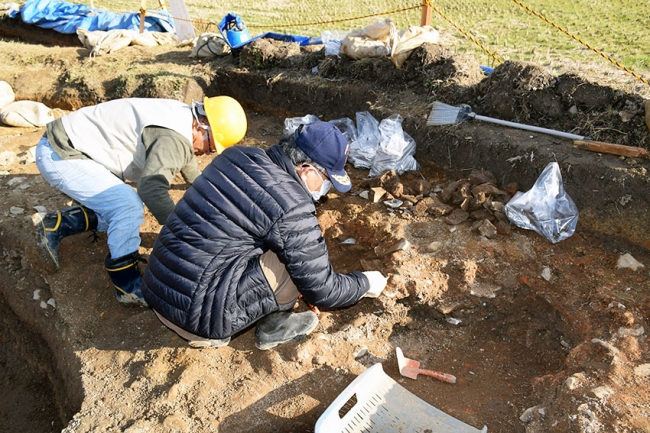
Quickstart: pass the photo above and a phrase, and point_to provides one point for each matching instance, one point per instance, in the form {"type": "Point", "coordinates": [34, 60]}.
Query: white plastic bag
{"type": "Point", "coordinates": [396, 148]}
{"type": "Point", "coordinates": [546, 208]}
{"type": "Point", "coordinates": [332, 41]}
{"type": "Point", "coordinates": [292, 123]}
{"type": "Point", "coordinates": [364, 148]}
{"type": "Point", "coordinates": [347, 128]}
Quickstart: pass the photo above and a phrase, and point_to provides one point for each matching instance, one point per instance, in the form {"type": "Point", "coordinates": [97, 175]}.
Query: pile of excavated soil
{"type": "Point", "coordinates": [542, 337]}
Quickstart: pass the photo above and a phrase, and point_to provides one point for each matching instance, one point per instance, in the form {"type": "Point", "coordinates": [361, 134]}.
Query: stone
{"type": "Point", "coordinates": [642, 370]}
{"type": "Point", "coordinates": [456, 217]}
{"type": "Point", "coordinates": [601, 392]}
{"type": "Point", "coordinates": [487, 229]}
{"type": "Point", "coordinates": [628, 262]}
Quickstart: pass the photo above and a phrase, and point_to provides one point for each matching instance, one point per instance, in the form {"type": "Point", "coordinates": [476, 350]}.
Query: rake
{"type": "Point", "coordinates": [443, 114]}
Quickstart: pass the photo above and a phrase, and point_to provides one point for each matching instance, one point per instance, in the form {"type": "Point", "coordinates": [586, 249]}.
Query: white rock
{"type": "Point", "coordinates": [40, 209]}
{"type": "Point", "coordinates": [637, 331]}
{"type": "Point", "coordinates": [601, 392]}
{"type": "Point", "coordinates": [37, 294]}
{"type": "Point", "coordinates": [575, 381]}
{"type": "Point", "coordinates": [434, 246]}
{"type": "Point", "coordinates": [529, 414]}
{"type": "Point", "coordinates": [394, 203]}
{"type": "Point", "coordinates": [627, 261]}
{"type": "Point", "coordinates": [43, 305]}
{"type": "Point", "coordinates": [546, 273]}
{"type": "Point", "coordinates": [51, 302]}
{"type": "Point", "coordinates": [15, 210]}
{"type": "Point", "coordinates": [642, 370]}
{"type": "Point", "coordinates": [364, 194]}
{"type": "Point", "coordinates": [16, 180]}
{"type": "Point", "coordinates": [359, 353]}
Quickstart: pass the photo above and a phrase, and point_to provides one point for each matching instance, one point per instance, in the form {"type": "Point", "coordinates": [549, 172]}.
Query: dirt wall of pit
{"type": "Point", "coordinates": [610, 192]}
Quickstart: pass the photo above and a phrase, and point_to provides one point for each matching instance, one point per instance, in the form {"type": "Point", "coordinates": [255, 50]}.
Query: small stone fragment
{"type": "Point", "coordinates": [546, 273]}
{"type": "Point", "coordinates": [457, 216]}
{"type": "Point", "coordinates": [627, 261]}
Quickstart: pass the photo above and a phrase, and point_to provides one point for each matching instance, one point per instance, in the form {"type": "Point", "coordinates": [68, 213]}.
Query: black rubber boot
{"type": "Point", "coordinates": [127, 278]}
{"type": "Point", "coordinates": [51, 227]}
{"type": "Point", "coordinates": [282, 327]}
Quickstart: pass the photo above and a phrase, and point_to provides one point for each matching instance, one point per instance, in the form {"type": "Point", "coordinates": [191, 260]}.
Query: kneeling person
{"type": "Point", "coordinates": [244, 242]}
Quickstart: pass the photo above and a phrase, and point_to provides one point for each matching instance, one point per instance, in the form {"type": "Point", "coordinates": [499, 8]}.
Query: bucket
{"type": "Point", "coordinates": [237, 36]}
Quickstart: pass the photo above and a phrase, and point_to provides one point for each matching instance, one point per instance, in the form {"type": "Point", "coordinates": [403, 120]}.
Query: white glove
{"type": "Point", "coordinates": [377, 284]}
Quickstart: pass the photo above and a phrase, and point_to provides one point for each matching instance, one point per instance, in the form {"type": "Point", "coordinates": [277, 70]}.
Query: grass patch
{"type": "Point", "coordinates": [619, 29]}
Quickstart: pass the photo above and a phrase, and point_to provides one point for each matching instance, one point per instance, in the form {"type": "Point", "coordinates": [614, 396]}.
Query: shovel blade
{"type": "Point", "coordinates": [407, 367]}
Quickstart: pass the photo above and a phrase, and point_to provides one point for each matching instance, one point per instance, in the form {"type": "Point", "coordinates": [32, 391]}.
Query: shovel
{"type": "Point", "coordinates": [411, 368]}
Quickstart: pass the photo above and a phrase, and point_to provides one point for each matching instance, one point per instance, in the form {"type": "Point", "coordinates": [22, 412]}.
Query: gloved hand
{"type": "Point", "coordinates": [377, 284]}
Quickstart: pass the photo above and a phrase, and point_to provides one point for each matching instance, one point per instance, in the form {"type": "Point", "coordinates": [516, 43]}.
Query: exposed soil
{"type": "Point", "coordinates": [542, 337]}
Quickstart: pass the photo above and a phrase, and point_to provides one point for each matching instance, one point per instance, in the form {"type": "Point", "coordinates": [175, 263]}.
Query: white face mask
{"type": "Point", "coordinates": [324, 188]}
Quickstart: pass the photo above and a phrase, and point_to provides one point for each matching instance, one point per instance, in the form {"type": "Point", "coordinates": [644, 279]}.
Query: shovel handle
{"type": "Point", "coordinates": [449, 378]}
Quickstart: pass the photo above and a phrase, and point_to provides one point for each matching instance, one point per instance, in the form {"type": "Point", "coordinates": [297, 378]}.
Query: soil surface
{"type": "Point", "coordinates": [541, 337]}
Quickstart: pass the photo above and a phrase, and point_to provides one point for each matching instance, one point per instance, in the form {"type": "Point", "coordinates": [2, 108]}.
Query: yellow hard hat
{"type": "Point", "coordinates": [227, 120]}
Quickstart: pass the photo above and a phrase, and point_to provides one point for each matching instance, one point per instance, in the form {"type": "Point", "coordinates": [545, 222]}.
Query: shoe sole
{"type": "Point", "coordinates": [209, 343]}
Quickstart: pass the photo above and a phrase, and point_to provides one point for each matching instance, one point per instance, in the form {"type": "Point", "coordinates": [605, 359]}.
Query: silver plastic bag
{"type": "Point", "coordinates": [347, 128]}
{"type": "Point", "coordinates": [364, 148]}
{"type": "Point", "coordinates": [292, 123]}
{"type": "Point", "coordinates": [396, 148]}
{"type": "Point", "coordinates": [546, 208]}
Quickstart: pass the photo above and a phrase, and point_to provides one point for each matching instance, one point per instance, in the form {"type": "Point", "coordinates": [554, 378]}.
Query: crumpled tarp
{"type": "Point", "coordinates": [65, 17]}
{"type": "Point", "coordinates": [104, 42]}
{"type": "Point", "coordinates": [300, 40]}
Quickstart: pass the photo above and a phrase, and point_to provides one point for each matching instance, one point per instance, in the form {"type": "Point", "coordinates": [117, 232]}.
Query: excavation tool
{"type": "Point", "coordinates": [411, 368]}
{"type": "Point", "coordinates": [443, 114]}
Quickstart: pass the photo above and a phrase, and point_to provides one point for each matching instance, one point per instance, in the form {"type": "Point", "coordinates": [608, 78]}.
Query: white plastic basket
{"type": "Point", "coordinates": [375, 403]}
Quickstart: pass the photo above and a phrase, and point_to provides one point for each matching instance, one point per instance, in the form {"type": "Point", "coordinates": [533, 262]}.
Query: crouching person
{"type": "Point", "coordinates": [244, 242]}
{"type": "Point", "coordinates": [90, 153]}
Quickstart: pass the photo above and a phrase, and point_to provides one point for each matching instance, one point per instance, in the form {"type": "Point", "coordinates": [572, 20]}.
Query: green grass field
{"type": "Point", "coordinates": [620, 29]}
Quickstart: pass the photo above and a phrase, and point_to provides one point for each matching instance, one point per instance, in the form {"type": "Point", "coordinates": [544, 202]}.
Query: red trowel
{"type": "Point", "coordinates": [411, 368]}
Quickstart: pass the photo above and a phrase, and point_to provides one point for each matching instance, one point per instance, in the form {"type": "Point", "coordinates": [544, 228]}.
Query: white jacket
{"type": "Point", "coordinates": [110, 133]}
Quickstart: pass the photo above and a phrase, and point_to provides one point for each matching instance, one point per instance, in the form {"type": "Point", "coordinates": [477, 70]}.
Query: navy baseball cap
{"type": "Point", "coordinates": [324, 143]}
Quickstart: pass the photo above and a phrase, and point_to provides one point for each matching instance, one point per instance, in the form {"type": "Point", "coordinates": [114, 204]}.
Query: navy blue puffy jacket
{"type": "Point", "coordinates": [204, 275]}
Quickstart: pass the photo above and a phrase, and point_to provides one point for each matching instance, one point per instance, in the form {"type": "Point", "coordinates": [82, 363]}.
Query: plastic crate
{"type": "Point", "coordinates": [375, 403]}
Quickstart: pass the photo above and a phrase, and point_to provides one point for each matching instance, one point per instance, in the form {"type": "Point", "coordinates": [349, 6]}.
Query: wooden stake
{"type": "Point", "coordinates": [612, 149]}
{"type": "Point", "coordinates": [143, 8]}
{"type": "Point", "coordinates": [426, 14]}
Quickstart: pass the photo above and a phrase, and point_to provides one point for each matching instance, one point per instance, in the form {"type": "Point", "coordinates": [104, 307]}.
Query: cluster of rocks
{"type": "Point", "coordinates": [477, 198]}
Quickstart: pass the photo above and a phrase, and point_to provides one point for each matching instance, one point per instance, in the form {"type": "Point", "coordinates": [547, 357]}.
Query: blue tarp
{"type": "Point", "coordinates": [301, 40]}
{"type": "Point", "coordinates": [65, 17]}
{"type": "Point", "coordinates": [235, 22]}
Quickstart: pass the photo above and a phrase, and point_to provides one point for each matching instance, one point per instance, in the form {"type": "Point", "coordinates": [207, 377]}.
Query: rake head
{"type": "Point", "coordinates": [444, 114]}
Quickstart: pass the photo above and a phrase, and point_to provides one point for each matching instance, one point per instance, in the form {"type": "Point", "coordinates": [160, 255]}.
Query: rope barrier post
{"type": "Point", "coordinates": [426, 13]}
{"type": "Point", "coordinates": [143, 9]}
